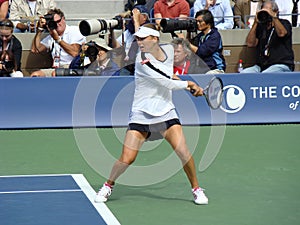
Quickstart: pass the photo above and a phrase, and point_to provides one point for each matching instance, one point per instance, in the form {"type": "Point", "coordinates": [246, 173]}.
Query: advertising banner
{"type": "Point", "coordinates": [106, 101]}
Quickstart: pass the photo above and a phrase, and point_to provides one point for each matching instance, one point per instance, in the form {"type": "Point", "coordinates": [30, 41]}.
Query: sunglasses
{"type": "Point", "coordinates": [58, 21]}
{"type": "Point", "coordinates": [6, 24]}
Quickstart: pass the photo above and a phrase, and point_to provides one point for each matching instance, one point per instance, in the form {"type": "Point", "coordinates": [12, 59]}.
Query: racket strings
{"type": "Point", "coordinates": [214, 93]}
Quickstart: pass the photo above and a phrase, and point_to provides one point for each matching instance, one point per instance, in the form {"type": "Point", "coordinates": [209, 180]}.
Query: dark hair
{"type": "Point", "coordinates": [56, 11]}
{"type": "Point", "coordinates": [207, 16]}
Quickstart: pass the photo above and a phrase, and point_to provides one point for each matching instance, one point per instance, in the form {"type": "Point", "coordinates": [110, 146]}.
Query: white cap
{"type": "Point", "coordinates": [146, 31]}
{"type": "Point", "coordinates": [102, 43]}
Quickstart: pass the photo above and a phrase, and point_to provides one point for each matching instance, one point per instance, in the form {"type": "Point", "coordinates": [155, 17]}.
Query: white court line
{"type": "Point", "coordinates": [106, 214]}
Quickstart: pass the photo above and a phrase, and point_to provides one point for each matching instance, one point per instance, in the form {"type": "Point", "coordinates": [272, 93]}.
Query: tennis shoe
{"type": "Point", "coordinates": [103, 193]}
{"type": "Point", "coordinates": [199, 196]}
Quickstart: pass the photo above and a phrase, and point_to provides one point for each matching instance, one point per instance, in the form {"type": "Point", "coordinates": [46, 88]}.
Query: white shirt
{"type": "Point", "coordinates": [286, 7]}
{"type": "Point", "coordinates": [222, 12]}
{"type": "Point", "coordinates": [23, 9]}
{"type": "Point", "coordinates": [153, 91]}
{"type": "Point", "coordinates": [71, 35]}
{"type": "Point", "coordinates": [253, 10]}
{"type": "Point", "coordinates": [17, 74]}
{"type": "Point", "coordinates": [32, 7]}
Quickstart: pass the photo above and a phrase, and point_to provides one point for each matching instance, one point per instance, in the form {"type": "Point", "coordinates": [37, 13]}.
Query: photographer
{"type": "Point", "coordinates": [8, 65]}
{"type": "Point", "coordinates": [64, 41]}
{"type": "Point", "coordinates": [100, 64]}
{"type": "Point", "coordinates": [8, 42]}
{"type": "Point", "coordinates": [208, 43]}
{"type": "Point", "coordinates": [139, 17]}
{"type": "Point", "coordinates": [272, 38]}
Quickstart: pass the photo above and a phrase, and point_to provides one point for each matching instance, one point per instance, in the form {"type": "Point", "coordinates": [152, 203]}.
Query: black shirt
{"type": "Point", "coordinates": [15, 47]}
{"type": "Point", "coordinates": [272, 49]}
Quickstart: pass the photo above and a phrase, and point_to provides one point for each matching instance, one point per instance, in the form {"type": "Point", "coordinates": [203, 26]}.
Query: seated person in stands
{"type": "Point", "coordinates": [8, 42]}
{"type": "Point", "coordinates": [171, 9]}
{"type": "Point", "coordinates": [287, 8]}
{"type": "Point", "coordinates": [208, 43]}
{"type": "Point", "coordinates": [63, 41]}
{"type": "Point", "coordinates": [245, 11]}
{"type": "Point", "coordinates": [272, 38]}
{"type": "Point", "coordinates": [220, 9]}
{"type": "Point", "coordinates": [185, 61]}
{"type": "Point", "coordinates": [24, 13]}
{"type": "Point", "coordinates": [99, 61]}
{"type": "Point", "coordinates": [139, 17]}
{"type": "Point", "coordinates": [8, 65]}
{"type": "Point", "coordinates": [4, 6]}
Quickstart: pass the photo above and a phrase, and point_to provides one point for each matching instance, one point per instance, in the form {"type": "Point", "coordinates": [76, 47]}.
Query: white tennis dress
{"type": "Point", "coordinates": [152, 101]}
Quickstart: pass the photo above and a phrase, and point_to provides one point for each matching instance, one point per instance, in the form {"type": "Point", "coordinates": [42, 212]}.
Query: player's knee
{"type": "Point", "coordinates": [184, 155]}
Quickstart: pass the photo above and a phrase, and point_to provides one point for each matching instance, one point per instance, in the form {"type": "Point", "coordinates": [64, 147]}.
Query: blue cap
{"type": "Point", "coordinates": [142, 8]}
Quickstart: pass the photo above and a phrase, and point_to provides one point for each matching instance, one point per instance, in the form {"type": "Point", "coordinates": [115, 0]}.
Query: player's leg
{"type": "Point", "coordinates": [132, 143]}
{"type": "Point", "coordinates": [175, 136]}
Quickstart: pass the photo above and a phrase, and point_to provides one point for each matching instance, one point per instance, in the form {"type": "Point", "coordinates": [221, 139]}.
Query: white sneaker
{"type": "Point", "coordinates": [199, 196]}
{"type": "Point", "coordinates": [103, 193]}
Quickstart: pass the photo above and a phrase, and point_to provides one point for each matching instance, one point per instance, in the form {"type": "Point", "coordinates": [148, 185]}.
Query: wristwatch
{"type": "Point", "coordinates": [58, 40]}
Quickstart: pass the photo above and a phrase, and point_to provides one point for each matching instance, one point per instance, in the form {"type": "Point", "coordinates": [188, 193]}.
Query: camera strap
{"type": "Point", "coordinates": [147, 62]}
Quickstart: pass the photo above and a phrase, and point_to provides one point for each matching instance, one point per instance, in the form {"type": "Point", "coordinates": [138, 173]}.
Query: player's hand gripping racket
{"type": "Point", "coordinates": [213, 93]}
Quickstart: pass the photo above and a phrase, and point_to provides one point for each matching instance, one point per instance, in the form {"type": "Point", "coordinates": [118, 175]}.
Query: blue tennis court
{"type": "Point", "coordinates": [50, 199]}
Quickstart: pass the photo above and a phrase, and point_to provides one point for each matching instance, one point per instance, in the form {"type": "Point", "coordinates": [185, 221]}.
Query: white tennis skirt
{"type": "Point", "coordinates": [141, 117]}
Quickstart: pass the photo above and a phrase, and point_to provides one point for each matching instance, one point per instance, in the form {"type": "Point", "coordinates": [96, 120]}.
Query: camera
{"type": "Point", "coordinates": [8, 66]}
{"type": "Point", "coordinates": [91, 51]}
{"type": "Point", "coordinates": [50, 21]}
{"type": "Point", "coordinates": [171, 25]}
{"type": "Point", "coordinates": [74, 72]}
{"type": "Point", "coordinates": [94, 26]}
{"type": "Point", "coordinates": [264, 17]}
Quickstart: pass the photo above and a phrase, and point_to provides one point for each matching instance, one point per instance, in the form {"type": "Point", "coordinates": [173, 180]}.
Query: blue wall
{"type": "Point", "coordinates": [106, 101]}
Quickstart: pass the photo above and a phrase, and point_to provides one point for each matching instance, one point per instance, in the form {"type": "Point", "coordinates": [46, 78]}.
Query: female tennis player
{"type": "Point", "coordinates": [153, 111]}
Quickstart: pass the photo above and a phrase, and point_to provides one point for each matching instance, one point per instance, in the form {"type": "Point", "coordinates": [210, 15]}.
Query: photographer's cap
{"type": "Point", "coordinates": [145, 32]}
{"type": "Point", "coordinates": [102, 43]}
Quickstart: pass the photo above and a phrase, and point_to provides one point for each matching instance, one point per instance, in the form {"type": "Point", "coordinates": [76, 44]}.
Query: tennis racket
{"type": "Point", "coordinates": [213, 93]}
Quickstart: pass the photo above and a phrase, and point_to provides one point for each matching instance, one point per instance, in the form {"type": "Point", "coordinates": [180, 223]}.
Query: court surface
{"type": "Point", "coordinates": [254, 180]}
{"type": "Point", "coordinates": [50, 199]}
